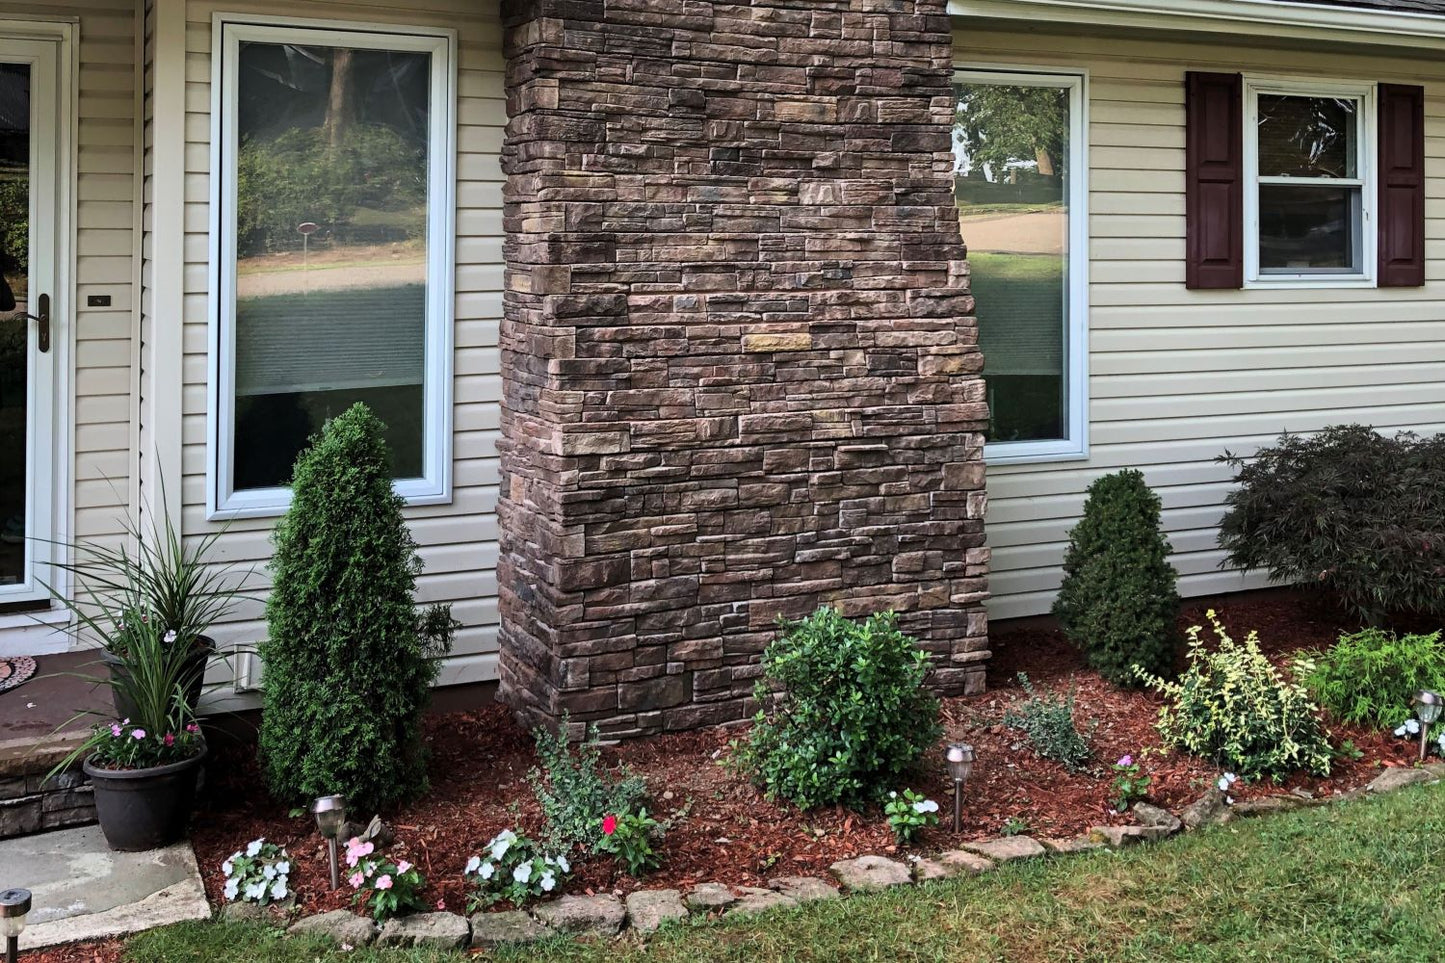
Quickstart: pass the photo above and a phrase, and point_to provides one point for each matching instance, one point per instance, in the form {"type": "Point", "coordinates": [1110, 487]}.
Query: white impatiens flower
{"type": "Point", "coordinates": [566, 867]}
{"type": "Point", "coordinates": [278, 889]}
{"type": "Point", "coordinates": [233, 886]}
{"type": "Point", "coordinates": [255, 892]}
{"type": "Point", "coordinates": [486, 871]}
{"type": "Point", "coordinates": [269, 872]}
{"type": "Point", "coordinates": [501, 843]}
{"type": "Point", "coordinates": [893, 795]}
{"type": "Point", "coordinates": [549, 882]}
{"type": "Point", "coordinates": [227, 866]}
{"type": "Point", "coordinates": [283, 868]}
{"type": "Point", "coordinates": [925, 806]}
{"type": "Point", "coordinates": [255, 847]}
{"type": "Point", "coordinates": [523, 872]}
{"type": "Point", "coordinates": [1227, 780]}
{"type": "Point", "coordinates": [473, 865]}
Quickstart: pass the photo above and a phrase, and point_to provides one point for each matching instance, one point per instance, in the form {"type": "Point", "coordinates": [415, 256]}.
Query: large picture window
{"type": "Point", "coordinates": [1020, 182]}
{"type": "Point", "coordinates": [1308, 151]}
{"type": "Point", "coordinates": [333, 265]}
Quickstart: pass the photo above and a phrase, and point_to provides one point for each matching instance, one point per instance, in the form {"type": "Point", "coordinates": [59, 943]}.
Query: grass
{"type": "Point", "coordinates": [1357, 881]}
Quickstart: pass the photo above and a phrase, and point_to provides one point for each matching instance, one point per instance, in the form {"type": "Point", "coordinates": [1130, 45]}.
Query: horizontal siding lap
{"type": "Point", "coordinates": [1177, 376]}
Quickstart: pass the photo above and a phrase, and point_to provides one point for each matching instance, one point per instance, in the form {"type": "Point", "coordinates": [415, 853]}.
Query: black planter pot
{"type": "Point", "coordinates": [195, 669]}
{"type": "Point", "coordinates": [141, 809]}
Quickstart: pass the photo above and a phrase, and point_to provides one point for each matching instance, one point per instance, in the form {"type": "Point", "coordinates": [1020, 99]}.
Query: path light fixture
{"type": "Point", "coordinates": [14, 907]}
{"type": "Point", "coordinates": [1427, 710]}
{"type": "Point", "coordinates": [330, 813]}
{"type": "Point", "coordinates": [959, 757]}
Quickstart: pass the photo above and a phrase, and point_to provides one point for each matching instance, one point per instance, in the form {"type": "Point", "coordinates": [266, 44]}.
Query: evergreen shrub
{"type": "Point", "coordinates": [349, 661]}
{"type": "Point", "coordinates": [1119, 598]}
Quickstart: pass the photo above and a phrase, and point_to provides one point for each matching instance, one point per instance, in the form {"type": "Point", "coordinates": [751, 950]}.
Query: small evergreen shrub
{"type": "Point", "coordinates": [1370, 677]}
{"type": "Point", "coordinates": [574, 790]}
{"type": "Point", "coordinates": [349, 661]}
{"type": "Point", "coordinates": [1048, 721]}
{"type": "Point", "coordinates": [1232, 706]}
{"type": "Point", "coordinates": [850, 717]}
{"type": "Point", "coordinates": [1119, 599]}
{"type": "Point", "coordinates": [1348, 510]}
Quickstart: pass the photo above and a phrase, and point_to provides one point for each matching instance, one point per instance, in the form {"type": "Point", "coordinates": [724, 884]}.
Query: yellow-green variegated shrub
{"type": "Point", "coordinates": [1234, 707]}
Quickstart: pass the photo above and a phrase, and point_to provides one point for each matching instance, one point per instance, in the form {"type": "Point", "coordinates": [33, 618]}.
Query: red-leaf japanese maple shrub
{"type": "Point", "coordinates": [1350, 511]}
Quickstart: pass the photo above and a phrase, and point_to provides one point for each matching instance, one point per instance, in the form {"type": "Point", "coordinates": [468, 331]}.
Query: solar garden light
{"type": "Point", "coordinates": [959, 757]}
{"type": "Point", "coordinates": [1427, 710]}
{"type": "Point", "coordinates": [14, 907]}
{"type": "Point", "coordinates": [330, 813]}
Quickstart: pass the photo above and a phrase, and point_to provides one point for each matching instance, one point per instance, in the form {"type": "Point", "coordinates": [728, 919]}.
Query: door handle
{"type": "Point", "coordinates": [43, 320]}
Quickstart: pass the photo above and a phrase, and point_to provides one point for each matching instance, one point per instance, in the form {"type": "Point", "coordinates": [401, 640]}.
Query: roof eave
{"type": "Point", "coordinates": [1307, 21]}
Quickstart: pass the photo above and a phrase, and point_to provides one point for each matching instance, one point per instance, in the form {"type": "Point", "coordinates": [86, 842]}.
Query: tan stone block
{"type": "Point", "coordinates": [758, 343]}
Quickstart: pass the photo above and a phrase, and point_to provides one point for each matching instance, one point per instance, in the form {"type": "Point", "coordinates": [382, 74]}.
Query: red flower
{"type": "Point", "coordinates": [609, 825]}
{"type": "Point", "coordinates": [170, 740]}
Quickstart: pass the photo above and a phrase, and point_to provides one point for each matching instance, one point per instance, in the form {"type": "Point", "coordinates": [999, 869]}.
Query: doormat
{"type": "Point", "coordinates": [15, 671]}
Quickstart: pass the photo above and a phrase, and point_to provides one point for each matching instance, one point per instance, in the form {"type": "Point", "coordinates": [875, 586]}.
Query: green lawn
{"type": "Point", "coordinates": [1359, 881]}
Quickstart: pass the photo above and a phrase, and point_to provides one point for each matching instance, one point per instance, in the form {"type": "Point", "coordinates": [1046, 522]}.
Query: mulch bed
{"type": "Point", "coordinates": [726, 831]}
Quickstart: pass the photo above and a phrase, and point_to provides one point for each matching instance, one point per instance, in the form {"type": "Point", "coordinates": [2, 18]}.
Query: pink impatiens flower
{"type": "Point", "coordinates": [403, 866]}
{"type": "Point", "coordinates": [115, 729]}
{"type": "Point", "coordinates": [609, 825]}
{"type": "Point", "coordinates": [441, 904]}
{"type": "Point", "coordinates": [137, 734]}
{"type": "Point", "coordinates": [355, 849]}
{"type": "Point", "coordinates": [383, 882]}
{"type": "Point", "coordinates": [1128, 760]}
{"type": "Point", "coordinates": [356, 879]}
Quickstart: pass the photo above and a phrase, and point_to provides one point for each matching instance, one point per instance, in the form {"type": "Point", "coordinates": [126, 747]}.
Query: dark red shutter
{"type": "Point", "coordinates": [1214, 180]}
{"type": "Point", "coordinates": [1402, 186]}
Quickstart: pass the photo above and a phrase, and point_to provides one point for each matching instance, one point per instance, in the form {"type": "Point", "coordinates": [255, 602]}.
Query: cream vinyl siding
{"type": "Point", "coordinates": [1177, 376]}
{"type": "Point", "coordinates": [458, 541]}
{"type": "Point", "coordinates": [103, 262]}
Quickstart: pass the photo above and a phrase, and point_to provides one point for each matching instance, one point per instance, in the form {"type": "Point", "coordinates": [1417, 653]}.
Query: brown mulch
{"type": "Point", "coordinates": [725, 830]}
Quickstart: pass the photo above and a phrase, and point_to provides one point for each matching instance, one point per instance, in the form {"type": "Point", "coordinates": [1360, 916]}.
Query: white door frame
{"type": "Point", "coordinates": [49, 46]}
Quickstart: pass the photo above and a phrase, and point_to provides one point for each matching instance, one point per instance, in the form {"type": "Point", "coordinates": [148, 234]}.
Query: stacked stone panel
{"type": "Point", "coordinates": [739, 357]}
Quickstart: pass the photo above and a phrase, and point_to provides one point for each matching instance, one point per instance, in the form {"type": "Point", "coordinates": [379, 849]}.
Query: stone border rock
{"type": "Point", "coordinates": [645, 911]}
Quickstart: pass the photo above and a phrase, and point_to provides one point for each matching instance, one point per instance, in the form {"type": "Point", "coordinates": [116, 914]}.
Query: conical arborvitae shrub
{"type": "Point", "coordinates": [348, 664]}
{"type": "Point", "coordinates": [1119, 600]}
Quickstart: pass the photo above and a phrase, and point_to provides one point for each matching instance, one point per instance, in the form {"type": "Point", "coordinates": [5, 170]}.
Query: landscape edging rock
{"type": "Point", "coordinates": [718, 899]}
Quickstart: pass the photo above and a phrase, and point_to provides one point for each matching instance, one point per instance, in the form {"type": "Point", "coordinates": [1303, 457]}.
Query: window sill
{"type": "Point", "coordinates": [1030, 453]}
{"type": "Point", "coordinates": [1309, 283]}
{"type": "Point", "coordinates": [275, 502]}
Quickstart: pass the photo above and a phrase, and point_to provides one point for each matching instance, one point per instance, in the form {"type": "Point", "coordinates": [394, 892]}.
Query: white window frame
{"type": "Point", "coordinates": [1075, 446]}
{"type": "Point", "coordinates": [1366, 167]}
{"type": "Point", "coordinates": [228, 32]}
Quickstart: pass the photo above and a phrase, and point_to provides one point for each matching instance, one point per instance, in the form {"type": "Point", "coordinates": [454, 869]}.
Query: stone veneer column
{"type": "Point", "coordinates": [740, 367]}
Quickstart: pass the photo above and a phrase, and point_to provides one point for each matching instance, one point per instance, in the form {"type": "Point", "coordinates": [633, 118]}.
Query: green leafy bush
{"type": "Point", "coordinates": [851, 715]}
{"type": "Point", "coordinates": [349, 661]}
{"type": "Point", "coordinates": [1048, 721]}
{"type": "Point", "coordinates": [1348, 510]}
{"type": "Point", "coordinates": [1369, 677]}
{"type": "Point", "coordinates": [574, 789]}
{"type": "Point", "coordinates": [1232, 706]}
{"type": "Point", "coordinates": [1119, 599]}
